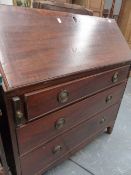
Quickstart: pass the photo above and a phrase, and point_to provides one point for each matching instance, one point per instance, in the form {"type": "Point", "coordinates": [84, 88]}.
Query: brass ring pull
{"type": "Point", "coordinates": [102, 120]}
{"type": "Point", "coordinates": [57, 149]}
{"type": "Point", "coordinates": [115, 77]}
{"type": "Point", "coordinates": [60, 123]}
{"type": "Point", "coordinates": [108, 98]}
{"type": "Point", "coordinates": [63, 96]}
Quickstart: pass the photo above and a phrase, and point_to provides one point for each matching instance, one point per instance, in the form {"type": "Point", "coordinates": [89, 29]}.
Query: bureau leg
{"type": "Point", "coordinates": [110, 129]}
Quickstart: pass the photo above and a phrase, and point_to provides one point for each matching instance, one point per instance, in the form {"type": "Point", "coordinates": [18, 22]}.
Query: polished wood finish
{"type": "Point", "coordinates": [65, 45]}
{"type": "Point", "coordinates": [76, 89]}
{"type": "Point", "coordinates": [67, 142]}
{"type": "Point", "coordinates": [62, 7]}
{"type": "Point", "coordinates": [32, 135]}
{"type": "Point", "coordinates": [62, 80]}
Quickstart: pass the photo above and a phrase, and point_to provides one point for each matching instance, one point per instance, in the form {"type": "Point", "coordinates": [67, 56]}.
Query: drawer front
{"type": "Point", "coordinates": [35, 133]}
{"type": "Point", "coordinates": [43, 157]}
{"type": "Point", "coordinates": [44, 101]}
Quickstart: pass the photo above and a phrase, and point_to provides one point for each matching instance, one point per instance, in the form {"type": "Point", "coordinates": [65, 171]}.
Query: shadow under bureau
{"type": "Point", "coordinates": [62, 82]}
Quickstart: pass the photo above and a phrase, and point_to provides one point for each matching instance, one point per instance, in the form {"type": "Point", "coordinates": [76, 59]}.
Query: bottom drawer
{"type": "Point", "coordinates": [43, 157]}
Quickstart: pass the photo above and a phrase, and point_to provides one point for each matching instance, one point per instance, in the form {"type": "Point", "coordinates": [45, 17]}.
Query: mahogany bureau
{"type": "Point", "coordinates": [63, 78]}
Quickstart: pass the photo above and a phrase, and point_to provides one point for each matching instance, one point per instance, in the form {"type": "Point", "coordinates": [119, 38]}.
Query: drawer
{"type": "Point", "coordinates": [43, 157]}
{"type": "Point", "coordinates": [37, 132]}
{"type": "Point", "coordinates": [47, 100]}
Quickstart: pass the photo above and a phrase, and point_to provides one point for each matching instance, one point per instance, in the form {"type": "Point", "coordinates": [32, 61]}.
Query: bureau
{"type": "Point", "coordinates": [62, 81]}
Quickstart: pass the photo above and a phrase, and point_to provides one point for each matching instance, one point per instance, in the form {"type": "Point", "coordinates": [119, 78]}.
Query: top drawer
{"type": "Point", "coordinates": [44, 101]}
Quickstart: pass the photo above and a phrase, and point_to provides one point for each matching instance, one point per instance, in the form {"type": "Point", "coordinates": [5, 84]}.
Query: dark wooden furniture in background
{"type": "Point", "coordinates": [63, 7]}
{"type": "Point", "coordinates": [96, 6]}
{"type": "Point", "coordinates": [124, 20]}
{"type": "Point", "coordinates": [64, 76]}
{"type": "Point", "coordinates": [4, 169]}
{"type": "Point", "coordinates": [59, 1]}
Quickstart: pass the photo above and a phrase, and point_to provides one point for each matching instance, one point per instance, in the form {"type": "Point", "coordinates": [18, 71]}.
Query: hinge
{"type": "Point", "coordinates": [19, 116]}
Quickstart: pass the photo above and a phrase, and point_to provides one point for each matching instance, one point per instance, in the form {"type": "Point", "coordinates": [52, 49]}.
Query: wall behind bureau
{"type": "Point", "coordinates": [108, 4]}
{"type": "Point", "coordinates": [7, 2]}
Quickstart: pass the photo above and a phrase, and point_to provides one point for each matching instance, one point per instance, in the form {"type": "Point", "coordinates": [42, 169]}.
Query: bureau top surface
{"type": "Point", "coordinates": [40, 45]}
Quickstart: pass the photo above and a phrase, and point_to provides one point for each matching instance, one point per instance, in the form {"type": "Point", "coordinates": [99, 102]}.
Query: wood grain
{"type": "Point", "coordinates": [44, 101]}
{"type": "Point", "coordinates": [41, 52]}
{"type": "Point", "coordinates": [34, 134]}
{"type": "Point", "coordinates": [37, 48]}
{"type": "Point", "coordinates": [43, 156]}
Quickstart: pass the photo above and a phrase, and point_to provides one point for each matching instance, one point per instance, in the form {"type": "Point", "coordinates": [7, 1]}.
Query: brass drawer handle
{"type": "Point", "coordinates": [63, 96]}
{"type": "Point", "coordinates": [57, 149]}
{"type": "Point", "coordinates": [115, 77]}
{"type": "Point", "coordinates": [108, 98]}
{"type": "Point", "coordinates": [102, 120]}
{"type": "Point", "coordinates": [60, 123]}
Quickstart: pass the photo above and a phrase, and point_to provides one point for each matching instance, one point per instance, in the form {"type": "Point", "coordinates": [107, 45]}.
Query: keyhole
{"type": "Point", "coordinates": [74, 18]}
